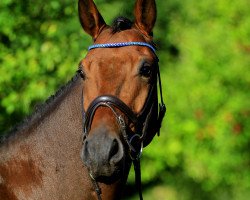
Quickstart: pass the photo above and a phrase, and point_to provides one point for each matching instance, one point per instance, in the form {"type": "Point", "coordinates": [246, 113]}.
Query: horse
{"type": "Point", "coordinates": [81, 143]}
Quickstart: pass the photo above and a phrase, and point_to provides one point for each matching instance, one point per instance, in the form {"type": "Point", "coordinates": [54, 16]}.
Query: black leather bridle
{"type": "Point", "coordinates": [134, 139]}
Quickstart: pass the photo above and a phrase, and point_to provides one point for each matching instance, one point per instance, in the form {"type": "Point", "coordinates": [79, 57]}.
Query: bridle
{"type": "Point", "coordinates": [134, 139]}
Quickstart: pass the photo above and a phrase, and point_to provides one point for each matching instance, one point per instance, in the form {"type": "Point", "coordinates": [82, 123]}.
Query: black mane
{"type": "Point", "coordinates": [121, 24]}
{"type": "Point", "coordinates": [40, 110]}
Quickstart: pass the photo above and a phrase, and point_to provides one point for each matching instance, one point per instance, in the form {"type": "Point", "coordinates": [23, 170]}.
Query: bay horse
{"type": "Point", "coordinates": [82, 142]}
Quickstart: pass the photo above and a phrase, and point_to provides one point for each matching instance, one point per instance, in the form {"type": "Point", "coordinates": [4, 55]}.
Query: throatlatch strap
{"type": "Point", "coordinates": [162, 106]}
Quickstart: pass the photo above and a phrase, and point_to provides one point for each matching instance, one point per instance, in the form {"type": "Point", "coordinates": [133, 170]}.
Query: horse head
{"type": "Point", "coordinates": [119, 103]}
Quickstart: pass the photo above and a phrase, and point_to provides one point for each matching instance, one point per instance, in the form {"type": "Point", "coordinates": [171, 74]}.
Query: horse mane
{"type": "Point", "coordinates": [121, 24]}
{"type": "Point", "coordinates": [40, 110]}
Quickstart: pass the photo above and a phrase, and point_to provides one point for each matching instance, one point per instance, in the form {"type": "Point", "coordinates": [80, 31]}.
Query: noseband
{"type": "Point", "coordinates": [135, 138]}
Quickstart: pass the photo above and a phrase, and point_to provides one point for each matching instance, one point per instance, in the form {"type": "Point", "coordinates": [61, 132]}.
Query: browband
{"type": "Point", "coordinates": [122, 44]}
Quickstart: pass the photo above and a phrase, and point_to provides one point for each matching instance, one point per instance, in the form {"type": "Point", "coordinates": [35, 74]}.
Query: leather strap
{"type": "Point", "coordinates": [110, 100]}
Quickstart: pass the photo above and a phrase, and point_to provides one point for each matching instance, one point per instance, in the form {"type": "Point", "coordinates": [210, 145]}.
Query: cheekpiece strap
{"type": "Point", "coordinates": [122, 44]}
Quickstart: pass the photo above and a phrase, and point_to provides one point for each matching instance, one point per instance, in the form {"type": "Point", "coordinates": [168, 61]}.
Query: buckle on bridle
{"type": "Point", "coordinates": [121, 122]}
{"type": "Point", "coordinates": [135, 144]}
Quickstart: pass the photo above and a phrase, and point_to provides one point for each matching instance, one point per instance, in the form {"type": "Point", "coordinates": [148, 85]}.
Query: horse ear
{"type": "Point", "coordinates": [90, 18]}
{"type": "Point", "coordinates": [145, 15]}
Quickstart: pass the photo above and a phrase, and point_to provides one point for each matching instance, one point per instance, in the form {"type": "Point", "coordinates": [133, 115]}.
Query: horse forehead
{"type": "Point", "coordinates": [129, 35]}
{"type": "Point", "coordinates": [117, 56]}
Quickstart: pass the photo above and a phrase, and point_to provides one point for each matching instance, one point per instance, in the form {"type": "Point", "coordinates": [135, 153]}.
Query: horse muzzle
{"type": "Point", "coordinates": [103, 155]}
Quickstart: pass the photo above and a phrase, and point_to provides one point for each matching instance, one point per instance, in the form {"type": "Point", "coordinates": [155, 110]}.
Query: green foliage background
{"type": "Point", "coordinates": [204, 48]}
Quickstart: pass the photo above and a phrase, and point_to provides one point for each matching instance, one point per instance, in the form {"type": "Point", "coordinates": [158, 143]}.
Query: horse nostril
{"type": "Point", "coordinates": [114, 149]}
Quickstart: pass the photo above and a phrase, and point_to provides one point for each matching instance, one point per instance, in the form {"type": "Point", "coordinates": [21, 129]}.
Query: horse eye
{"type": "Point", "coordinates": [81, 72]}
{"type": "Point", "coordinates": [145, 71]}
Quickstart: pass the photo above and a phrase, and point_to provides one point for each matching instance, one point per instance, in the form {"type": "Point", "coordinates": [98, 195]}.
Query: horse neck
{"type": "Point", "coordinates": [44, 156]}
{"type": "Point", "coordinates": [56, 121]}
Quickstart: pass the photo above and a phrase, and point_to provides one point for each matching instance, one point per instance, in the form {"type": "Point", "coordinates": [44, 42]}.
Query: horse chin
{"type": "Point", "coordinates": [112, 174]}
{"type": "Point", "coordinates": [107, 175]}
{"type": "Point", "coordinates": [115, 177]}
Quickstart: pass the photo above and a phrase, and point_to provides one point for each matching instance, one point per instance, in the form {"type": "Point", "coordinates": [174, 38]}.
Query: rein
{"type": "Point", "coordinates": [135, 140]}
